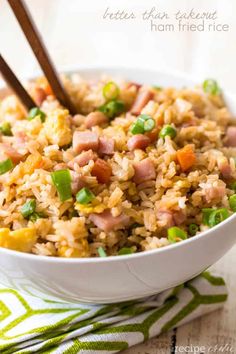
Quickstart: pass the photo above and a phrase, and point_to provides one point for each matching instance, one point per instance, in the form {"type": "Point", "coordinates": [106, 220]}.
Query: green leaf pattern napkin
{"type": "Point", "coordinates": [29, 324]}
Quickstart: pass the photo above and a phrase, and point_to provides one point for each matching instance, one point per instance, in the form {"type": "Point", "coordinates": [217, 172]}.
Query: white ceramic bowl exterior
{"type": "Point", "coordinates": [120, 278]}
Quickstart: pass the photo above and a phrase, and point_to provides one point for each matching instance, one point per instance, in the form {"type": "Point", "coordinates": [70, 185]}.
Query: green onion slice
{"type": "Point", "coordinates": [176, 234]}
{"type": "Point", "coordinates": [168, 130]}
{"type": "Point", "coordinates": [217, 216]}
{"type": "Point", "coordinates": [62, 181]}
{"type": "Point", "coordinates": [193, 229]}
{"type": "Point", "coordinates": [84, 196]}
{"type": "Point", "coordinates": [36, 112]}
{"type": "Point", "coordinates": [6, 166]}
{"type": "Point", "coordinates": [6, 129]}
{"type": "Point", "coordinates": [149, 125]}
{"type": "Point", "coordinates": [101, 252]}
{"type": "Point", "coordinates": [137, 128]}
{"type": "Point", "coordinates": [232, 202]}
{"type": "Point", "coordinates": [206, 212]}
{"type": "Point", "coordinates": [28, 208]}
{"type": "Point", "coordinates": [37, 215]}
{"type": "Point", "coordinates": [144, 123]}
{"type": "Point", "coordinates": [112, 108]}
{"type": "Point", "coordinates": [211, 86]}
{"type": "Point", "coordinates": [125, 250]}
{"type": "Point", "coordinates": [111, 91]}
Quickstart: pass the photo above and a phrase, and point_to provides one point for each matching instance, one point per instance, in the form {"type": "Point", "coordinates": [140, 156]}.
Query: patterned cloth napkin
{"type": "Point", "coordinates": [29, 324]}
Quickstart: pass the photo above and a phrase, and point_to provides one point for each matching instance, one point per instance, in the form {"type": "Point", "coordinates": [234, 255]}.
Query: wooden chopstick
{"type": "Point", "coordinates": [33, 36]}
{"type": "Point", "coordinates": [15, 85]}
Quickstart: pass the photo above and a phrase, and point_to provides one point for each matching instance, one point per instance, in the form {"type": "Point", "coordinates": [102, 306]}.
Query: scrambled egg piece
{"type": "Point", "coordinates": [94, 207]}
{"type": "Point", "coordinates": [19, 240]}
{"type": "Point", "coordinates": [56, 127]}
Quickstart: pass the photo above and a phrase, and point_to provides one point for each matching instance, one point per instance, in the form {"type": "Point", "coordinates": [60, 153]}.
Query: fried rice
{"type": "Point", "coordinates": [138, 168]}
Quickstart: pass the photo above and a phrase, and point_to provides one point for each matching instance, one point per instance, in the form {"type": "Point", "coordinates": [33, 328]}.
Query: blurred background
{"type": "Point", "coordinates": [77, 35]}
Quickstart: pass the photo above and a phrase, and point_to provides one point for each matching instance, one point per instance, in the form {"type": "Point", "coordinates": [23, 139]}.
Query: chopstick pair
{"type": "Point", "coordinates": [34, 39]}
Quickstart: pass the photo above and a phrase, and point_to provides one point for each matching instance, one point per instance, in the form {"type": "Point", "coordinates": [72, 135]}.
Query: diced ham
{"type": "Point", "coordinates": [140, 102]}
{"type": "Point", "coordinates": [82, 159]}
{"type": "Point", "coordinates": [85, 140]}
{"type": "Point", "coordinates": [95, 118]}
{"type": "Point", "coordinates": [231, 136]}
{"type": "Point", "coordinates": [8, 152]}
{"type": "Point", "coordinates": [77, 182]}
{"type": "Point", "coordinates": [179, 217]}
{"type": "Point", "coordinates": [224, 167]}
{"type": "Point", "coordinates": [215, 193]}
{"type": "Point", "coordinates": [106, 222]}
{"type": "Point", "coordinates": [106, 146]}
{"type": "Point", "coordinates": [166, 217]}
{"type": "Point", "coordinates": [101, 170]}
{"type": "Point", "coordinates": [144, 171]}
{"type": "Point", "coordinates": [171, 218]}
{"type": "Point", "coordinates": [138, 141]}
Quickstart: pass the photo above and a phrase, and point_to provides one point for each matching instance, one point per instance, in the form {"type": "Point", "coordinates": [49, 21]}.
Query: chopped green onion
{"type": "Point", "coordinates": [206, 212]}
{"type": "Point", "coordinates": [112, 108]}
{"type": "Point", "coordinates": [149, 125]}
{"type": "Point", "coordinates": [176, 234]}
{"type": "Point", "coordinates": [232, 202]}
{"type": "Point", "coordinates": [6, 166]}
{"type": "Point", "coordinates": [84, 196]}
{"type": "Point", "coordinates": [6, 129]}
{"type": "Point", "coordinates": [144, 123]}
{"type": "Point", "coordinates": [144, 117]}
{"type": "Point", "coordinates": [101, 252]}
{"type": "Point", "coordinates": [28, 208]}
{"type": "Point", "coordinates": [137, 127]}
{"type": "Point", "coordinates": [125, 250]}
{"type": "Point", "coordinates": [36, 112]}
{"type": "Point", "coordinates": [217, 216]}
{"type": "Point", "coordinates": [37, 215]}
{"type": "Point", "coordinates": [167, 130]}
{"type": "Point", "coordinates": [111, 91]}
{"type": "Point", "coordinates": [210, 86]}
{"type": "Point", "coordinates": [62, 181]}
{"type": "Point", "coordinates": [193, 229]}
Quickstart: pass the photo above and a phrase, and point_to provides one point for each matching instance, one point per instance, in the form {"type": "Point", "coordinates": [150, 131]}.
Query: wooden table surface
{"type": "Point", "coordinates": [217, 328]}
{"type": "Point", "coordinates": [94, 42]}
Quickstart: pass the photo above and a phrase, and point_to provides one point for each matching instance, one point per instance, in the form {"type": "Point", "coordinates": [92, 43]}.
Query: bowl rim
{"type": "Point", "coordinates": [118, 258]}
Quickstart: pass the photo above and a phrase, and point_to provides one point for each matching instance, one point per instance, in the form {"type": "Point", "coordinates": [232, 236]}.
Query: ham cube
{"type": "Point", "coordinates": [140, 102]}
{"type": "Point", "coordinates": [144, 171]}
{"type": "Point", "coordinates": [85, 140]}
{"type": "Point", "coordinates": [138, 141]}
{"type": "Point", "coordinates": [231, 136]}
{"type": "Point", "coordinates": [106, 222]}
{"type": "Point", "coordinates": [82, 159]}
{"type": "Point", "coordinates": [106, 146]}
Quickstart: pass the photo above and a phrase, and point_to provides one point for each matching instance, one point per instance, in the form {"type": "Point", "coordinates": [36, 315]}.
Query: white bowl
{"type": "Point", "coordinates": [120, 278]}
